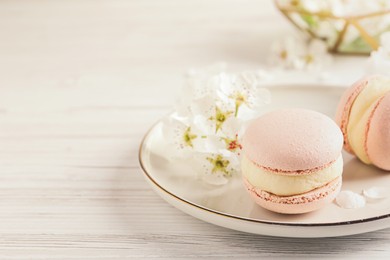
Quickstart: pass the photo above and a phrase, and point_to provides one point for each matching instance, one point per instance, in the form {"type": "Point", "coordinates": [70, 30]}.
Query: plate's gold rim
{"type": "Point", "coordinates": [153, 181]}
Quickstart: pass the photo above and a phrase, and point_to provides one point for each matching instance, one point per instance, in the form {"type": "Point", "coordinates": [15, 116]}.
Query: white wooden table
{"type": "Point", "coordinates": [80, 84]}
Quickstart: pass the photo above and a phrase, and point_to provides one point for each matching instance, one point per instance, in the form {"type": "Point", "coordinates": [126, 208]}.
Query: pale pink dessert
{"type": "Point", "coordinates": [292, 160]}
{"type": "Point", "coordinates": [363, 115]}
{"type": "Point", "coordinates": [345, 105]}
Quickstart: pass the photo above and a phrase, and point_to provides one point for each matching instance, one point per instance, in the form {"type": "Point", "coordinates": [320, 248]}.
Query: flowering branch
{"type": "Point", "coordinates": [209, 118]}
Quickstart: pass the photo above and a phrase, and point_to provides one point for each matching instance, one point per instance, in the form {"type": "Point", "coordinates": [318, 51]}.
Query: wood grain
{"type": "Point", "coordinates": [80, 84]}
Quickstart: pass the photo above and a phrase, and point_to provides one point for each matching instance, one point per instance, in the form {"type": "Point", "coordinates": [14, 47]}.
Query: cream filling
{"type": "Point", "coordinates": [287, 185]}
{"type": "Point", "coordinates": [360, 113]}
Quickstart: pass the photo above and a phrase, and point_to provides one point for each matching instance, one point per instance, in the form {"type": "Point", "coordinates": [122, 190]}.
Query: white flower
{"type": "Point", "coordinates": [210, 114]}
{"type": "Point", "coordinates": [189, 136]}
{"type": "Point", "coordinates": [315, 6]}
{"type": "Point", "coordinates": [385, 42]}
{"type": "Point", "coordinates": [199, 84]}
{"type": "Point", "coordinates": [210, 119]}
{"type": "Point", "coordinates": [294, 53]}
{"type": "Point", "coordinates": [219, 118]}
{"type": "Point", "coordinates": [330, 29]}
{"type": "Point", "coordinates": [231, 135]}
{"type": "Point", "coordinates": [228, 138]}
{"type": "Point", "coordinates": [317, 55]}
{"type": "Point", "coordinates": [183, 136]}
{"type": "Point", "coordinates": [379, 61]}
{"type": "Point", "coordinates": [286, 53]}
{"type": "Point", "coordinates": [217, 168]}
{"type": "Point", "coordinates": [340, 8]}
{"type": "Point", "coordinates": [344, 8]}
{"type": "Point", "coordinates": [243, 90]}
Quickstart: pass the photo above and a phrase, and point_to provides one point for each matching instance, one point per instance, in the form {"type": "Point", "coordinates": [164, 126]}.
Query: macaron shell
{"type": "Point", "coordinates": [378, 134]}
{"type": "Point", "coordinates": [293, 140]}
{"type": "Point", "coordinates": [345, 106]}
{"type": "Point", "coordinates": [296, 204]}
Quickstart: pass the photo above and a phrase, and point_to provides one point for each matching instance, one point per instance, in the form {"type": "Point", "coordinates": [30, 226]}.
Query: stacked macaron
{"type": "Point", "coordinates": [292, 160]}
{"type": "Point", "coordinates": [364, 118]}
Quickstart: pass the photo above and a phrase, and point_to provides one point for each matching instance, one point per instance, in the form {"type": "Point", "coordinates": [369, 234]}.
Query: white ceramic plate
{"type": "Point", "coordinates": [231, 207]}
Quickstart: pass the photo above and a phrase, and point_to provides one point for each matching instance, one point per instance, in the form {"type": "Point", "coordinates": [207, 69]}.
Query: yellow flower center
{"type": "Point", "coordinates": [220, 117]}
{"type": "Point", "coordinates": [283, 54]}
{"type": "Point", "coordinates": [309, 58]}
{"type": "Point", "coordinates": [188, 137]}
{"type": "Point", "coordinates": [219, 164]}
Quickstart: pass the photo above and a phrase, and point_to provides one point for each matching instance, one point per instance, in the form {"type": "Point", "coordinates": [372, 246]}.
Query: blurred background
{"type": "Point", "coordinates": [66, 53]}
{"type": "Point", "coordinates": [139, 43]}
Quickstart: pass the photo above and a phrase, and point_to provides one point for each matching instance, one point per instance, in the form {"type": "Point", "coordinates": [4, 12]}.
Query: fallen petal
{"type": "Point", "coordinates": [376, 193]}
{"type": "Point", "coordinates": [350, 200]}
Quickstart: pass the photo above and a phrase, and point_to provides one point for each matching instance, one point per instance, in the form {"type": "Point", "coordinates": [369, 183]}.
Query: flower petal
{"type": "Point", "coordinates": [350, 200]}
{"type": "Point", "coordinates": [376, 193]}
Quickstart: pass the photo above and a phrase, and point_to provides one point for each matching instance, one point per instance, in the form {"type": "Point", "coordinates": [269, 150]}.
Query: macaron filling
{"type": "Point", "coordinates": [311, 196]}
{"type": "Point", "coordinates": [361, 112]}
{"type": "Point", "coordinates": [288, 185]}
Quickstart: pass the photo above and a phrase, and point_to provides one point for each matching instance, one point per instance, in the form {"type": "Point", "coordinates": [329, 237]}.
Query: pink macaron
{"type": "Point", "coordinates": [292, 160]}
{"type": "Point", "coordinates": [345, 105]}
{"type": "Point", "coordinates": [368, 100]}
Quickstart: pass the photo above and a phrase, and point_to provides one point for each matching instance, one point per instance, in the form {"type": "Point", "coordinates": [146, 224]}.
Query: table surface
{"type": "Point", "coordinates": [80, 84]}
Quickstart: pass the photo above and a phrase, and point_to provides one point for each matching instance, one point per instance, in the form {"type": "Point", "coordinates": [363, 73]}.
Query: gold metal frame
{"type": "Point", "coordinates": [353, 21]}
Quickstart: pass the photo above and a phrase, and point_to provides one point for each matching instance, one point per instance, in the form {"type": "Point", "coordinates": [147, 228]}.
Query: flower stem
{"type": "Point", "coordinates": [236, 110]}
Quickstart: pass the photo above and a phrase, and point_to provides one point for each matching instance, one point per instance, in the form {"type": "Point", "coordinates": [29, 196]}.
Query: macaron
{"type": "Point", "coordinates": [363, 115]}
{"type": "Point", "coordinates": [292, 160]}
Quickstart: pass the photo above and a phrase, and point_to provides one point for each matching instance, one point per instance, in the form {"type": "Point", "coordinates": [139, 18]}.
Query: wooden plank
{"type": "Point", "coordinates": [80, 84]}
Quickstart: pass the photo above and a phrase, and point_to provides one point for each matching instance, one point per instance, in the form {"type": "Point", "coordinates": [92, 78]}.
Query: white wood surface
{"type": "Point", "coordinates": [80, 84]}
